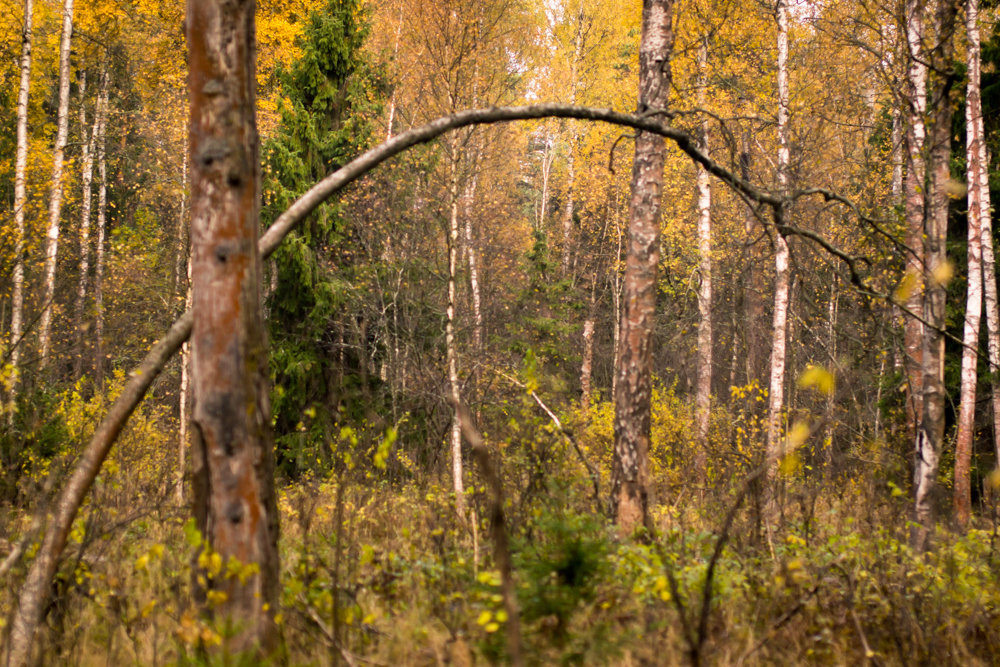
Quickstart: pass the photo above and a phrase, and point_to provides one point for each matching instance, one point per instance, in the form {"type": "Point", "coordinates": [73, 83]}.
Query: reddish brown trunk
{"type": "Point", "coordinates": [630, 492]}
{"type": "Point", "coordinates": [232, 458]}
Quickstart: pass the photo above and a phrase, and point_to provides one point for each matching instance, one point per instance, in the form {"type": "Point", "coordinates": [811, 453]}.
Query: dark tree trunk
{"type": "Point", "coordinates": [629, 496]}
{"type": "Point", "coordinates": [234, 500]}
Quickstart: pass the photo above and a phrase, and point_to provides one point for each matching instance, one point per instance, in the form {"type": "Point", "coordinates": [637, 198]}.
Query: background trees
{"type": "Point", "coordinates": [492, 267]}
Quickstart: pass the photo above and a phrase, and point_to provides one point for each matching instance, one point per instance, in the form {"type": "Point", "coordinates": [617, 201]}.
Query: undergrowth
{"type": "Point", "coordinates": [380, 571]}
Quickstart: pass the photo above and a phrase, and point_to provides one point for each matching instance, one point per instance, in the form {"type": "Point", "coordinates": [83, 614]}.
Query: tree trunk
{"type": "Point", "coordinates": [568, 210]}
{"type": "Point", "coordinates": [102, 215]}
{"type": "Point", "coordinates": [703, 394]}
{"type": "Point", "coordinates": [976, 172]}
{"type": "Point", "coordinates": [630, 491]}
{"type": "Point", "coordinates": [451, 349]}
{"type": "Point", "coordinates": [915, 189]}
{"type": "Point", "coordinates": [986, 243]}
{"type": "Point", "coordinates": [86, 179]}
{"type": "Point", "coordinates": [473, 259]}
{"type": "Point", "coordinates": [56, 193]}
{"type": "Point", "coordinates": [20, 198]}
{"type": "Point", "coordinates": [587, 364]}
{"type": "Point", "coordinates": [234, 498]}
{"type": "Point", "coordinates": [781, 269]}
{"type": "Point", "coordinates": [930, 434]}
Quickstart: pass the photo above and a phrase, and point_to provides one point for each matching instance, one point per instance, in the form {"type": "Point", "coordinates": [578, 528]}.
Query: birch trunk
{"type": "Point", "coordinates": [451, 349]}
{"type": "Point", "coordinates": [976, 174]}
{"type": "Point", "coordinates": [781, 272]}
{"type": "Point", "coordinates": [56, 192]}
{"type": "Point", "coordinates": [567, 224]}
{"type": "Point", "coordinates": [234, 497]}
{"type": "Point", "coordinates": [930, 436]}
{"type": "Point", "coordinates": [634, 387]}
{"type": "Point", "coordinates": [86, 179]}
{"type": "Point", "coordinates": [473, 259]}
{"type": "Point", "coordinates": [986, 244]}
{"type": "Point", "coordinates": [20, 198]}
{"type": "Point", "coordinates": [102, 214]}
{"type": "Point", "coordinates": [703, 394]}
{"type": "Point", "coordinates": [914, 190]}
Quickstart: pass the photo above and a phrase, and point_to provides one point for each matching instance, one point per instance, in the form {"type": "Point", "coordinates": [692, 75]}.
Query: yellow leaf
{"type": "Point", "coordinates": [906, 287]}
{"type": "Point", "coordinates": [818, 378]}
{"type": "Point", "coordinates": [943, 273]}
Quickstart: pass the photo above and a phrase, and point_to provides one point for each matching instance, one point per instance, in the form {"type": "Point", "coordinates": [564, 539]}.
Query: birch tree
{"type": "Point", "coordinates": [20, 196]}
{"type": "Point", "coordinates": [930, 431]}
{"type": "Point", "coordinates": [977, 181]}
{"type": "Point", "coordinates": [781, 268]}
{"type": "Point", "coordinates": [56, 191]}
{"type": "Point", "coordinates": [629, 494]}
{"type": "Point", "coordinates": [703, 392]}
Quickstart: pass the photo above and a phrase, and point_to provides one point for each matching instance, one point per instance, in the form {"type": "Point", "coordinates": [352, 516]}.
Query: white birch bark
{"type": "Point", "coordinates": [102, 210]}
{"type": "Point", "coordinates": [20, 197]}
{"type": "Point", "coordinates": [781, 270]}
{"type": "Point", "coordinates": [977, 175]}
{"type": "Point", "coordinates": [452, 350]}
{"type": "Point", "coordinates": [56, 194]}
{"type": "Point", "coordinates": [568, 210]}
{"type": "Point", "coordinates": [914, 188]}
{"type": "Point", "coordinates": [185, 401]}
{"type": "Point", "coordinates": [473, 259]}
{"type": "Point", "coordinates": [703, 393]}
{"type": "Point", "coordinates": [86, 180]}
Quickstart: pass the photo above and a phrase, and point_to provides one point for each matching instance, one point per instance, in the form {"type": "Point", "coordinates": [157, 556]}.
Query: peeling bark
{"type": "Point", "coordinates": [629, 496]}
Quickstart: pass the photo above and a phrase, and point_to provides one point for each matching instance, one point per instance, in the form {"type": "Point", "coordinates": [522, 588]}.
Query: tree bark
{"type": "Point", "coordinates": [703, 393]}
{"type": "Point", "coordinates": [20, 198]}
{"type": "Point", "coordinates": [451, 349]}
{"type": "Point", "coordinates": [781, 269]}
{"type": "Point", "coordinates": [630, 482]}
{"type": "Point", "coordinates": [976, 172]}
{"type": "Point", "coordinates": [930, 434]}
{"type": "Point", "coordinates": [914, 209]}
{"type": "Point", "coordinates": [86, 179]}
{"type": "Point", "coordinates": [234, 498]}
{"type": "Point", "coordinates": [986, 243]}
{"type": "Point", "coordinates": [56, 192]}
{"type": "Point", "coordinates": [102, 219]}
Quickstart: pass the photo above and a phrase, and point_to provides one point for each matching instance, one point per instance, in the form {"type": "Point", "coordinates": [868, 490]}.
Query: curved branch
{"type": "Point", "coordinates": [35, 591]}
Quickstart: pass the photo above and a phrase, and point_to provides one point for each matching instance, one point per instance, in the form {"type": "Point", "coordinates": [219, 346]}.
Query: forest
{"type": "Point", "coordinates": [529, 332]}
